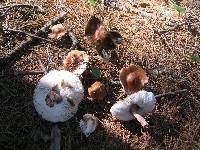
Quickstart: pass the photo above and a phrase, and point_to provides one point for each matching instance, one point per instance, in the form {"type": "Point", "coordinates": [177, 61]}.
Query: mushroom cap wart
{"type": "Point", "coordinates": [76, 61]}
{"type": "Point", "coordinates": [123, 109]}
{"type": "Point", "coordinates": [69, 88]}
{"type": "Point", "coordinates": [133, 78]}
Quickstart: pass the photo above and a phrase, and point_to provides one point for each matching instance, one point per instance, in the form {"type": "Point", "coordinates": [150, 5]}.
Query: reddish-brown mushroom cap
{"type": "Point", "coordinates": [133, 78]}
{"type": "Point", "coordinates": [97, 91]}
{"type": "Point", "coordinates": [57, 31]}
{"type": "Point", "coordinates": [76, 62]}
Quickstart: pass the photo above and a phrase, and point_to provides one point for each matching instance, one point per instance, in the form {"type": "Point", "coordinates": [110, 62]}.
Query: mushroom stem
{"type": "Point", "coordinates": [141, 120]}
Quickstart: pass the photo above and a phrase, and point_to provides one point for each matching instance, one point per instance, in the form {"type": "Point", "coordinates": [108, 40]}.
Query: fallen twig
{"type": "Point", "coordinates": [31, 35]}
{"type": "Point", "coordinates": [42, 66]}
{"type": "Point", "coordinates": [171, 93]}
{"type": "Point", "coordinates": [169, 29]}
{"type": "Point", "coordinates": [75, 42]}
{"type": "Point", "coordinates": [23, 48]}
{"type": "Point", "coordinates": [159, 95]}
{"type": "Point", "coordinates": [9, 7]}
{"type": "Point", "coordinates": [23, 73]}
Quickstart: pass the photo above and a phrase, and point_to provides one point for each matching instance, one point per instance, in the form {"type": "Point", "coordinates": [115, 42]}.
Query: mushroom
{"type": "Point", "coordinates": [97, 91]}
{"type": "Point", "coordinates": [132, 78]}
{"type": "Point", "coordinates": [58, 31]}
{"type": "Point", "coordinates": [76, 62]}
{"type": "Point", "coordinates": [88, 124]}
{"type": "Point", "coordinates": [103, 39]}
{"type": "Point", "coordinates": [57, 95]}
{"type": "Point", "coordinates": [134, 106]}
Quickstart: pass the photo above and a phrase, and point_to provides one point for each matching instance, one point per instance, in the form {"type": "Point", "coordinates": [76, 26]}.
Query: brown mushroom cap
{"type": "Point", "coordinates": [97, 91]}
{"type": "Point", "coordinates": [58, 31]}
{"type": "Point", "coordinates": [76, 62]}
{"type": "Point", "coordinates": [133, 78]}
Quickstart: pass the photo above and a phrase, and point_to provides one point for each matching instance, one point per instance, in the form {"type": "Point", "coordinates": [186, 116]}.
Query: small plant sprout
{"type": "Point", "coordinates": [134, 106]}
{"type": "Point", "coordinates": [132, 78]}
{"type": "Point", "coordinates": [96, 72]}
{"type": "Point", "coordinates": [196, 59]}
{"type": "Point", "coordinates": [57, 95]}
{"type": "Point", "coordinates": [57, 31]}
{"type": "Point", "coordinates": [97, 91]}
{"type": "Point", "coordinates": [76, 62]}
{"type": "Point", "coordinates": [179, 9]}
{"type": "Point", "coordinates": [88, 124]}
{"type": "Point", "coordinates": [92, 2]}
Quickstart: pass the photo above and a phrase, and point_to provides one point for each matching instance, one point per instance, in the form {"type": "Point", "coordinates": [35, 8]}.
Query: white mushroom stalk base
{"type": "Point", "coordinates": [69, 88]}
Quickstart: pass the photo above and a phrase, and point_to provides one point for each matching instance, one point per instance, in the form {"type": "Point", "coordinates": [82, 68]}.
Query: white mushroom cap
{"type": "Point", "coordinates": [122, 109]}
{"type": "Point", "coordinates": [64, 110]}
{"type": "Point", "coordinates": [88, 124]}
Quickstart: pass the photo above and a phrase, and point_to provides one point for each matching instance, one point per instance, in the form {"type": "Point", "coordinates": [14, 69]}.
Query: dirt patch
{"type": "Point", "coordinates": [165, 57]}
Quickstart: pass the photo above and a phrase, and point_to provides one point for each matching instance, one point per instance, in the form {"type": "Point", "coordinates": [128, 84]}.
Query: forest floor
{"type": "Point", "coordinates": [166, 57]}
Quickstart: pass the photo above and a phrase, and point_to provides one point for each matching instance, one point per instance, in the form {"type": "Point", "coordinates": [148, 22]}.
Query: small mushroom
{"type": "Point", "coordinates": [134, 106]}
{"type": "Point", "coordinates": [132, 78]}
{"type": "Point", "coordinates": [58, 31]}
{"type": "Point", "coordinates": [103, 39]}
{"type": "Point", "coordinates": [97, 91]}
{"type": "Point", "coordinates": [88, 124]}
{"type": "Point", "coordinates": [57, 95]}
{"type": "Point", "coordinates": [76, 62]}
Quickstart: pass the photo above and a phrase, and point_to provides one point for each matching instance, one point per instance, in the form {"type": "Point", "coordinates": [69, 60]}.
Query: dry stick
{"type": "Point", "coordinates": [75, 42]}
{"type": "Point", "coordinates": [23, 73]}
{"type": "Point", "coordinates": [42, 66]}
{"type": "Point", "coordinates": [9, 7]}
{"type": "Point", "coordinates": [171, 93]}
{"type": "Point", "coordinates": [169, 29]}
{"type": "Point", "coordinates": [137, 11]}
{"type": "Point", "coordinates": [31, 35]}
{"type": "Point", "coordinates": [159, 95]}
{"type": "Point", "coordinates": [23, 48]}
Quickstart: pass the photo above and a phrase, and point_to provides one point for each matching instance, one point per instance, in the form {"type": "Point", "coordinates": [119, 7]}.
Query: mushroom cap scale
{"type": "Point", "coordinates": [63, 110]}
{"type": "Point", "coordinates": [123, 109]}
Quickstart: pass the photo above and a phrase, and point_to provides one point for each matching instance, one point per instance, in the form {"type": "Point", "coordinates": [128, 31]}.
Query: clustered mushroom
{"type": "Point", "coordinates": [58, 93]}
{"type": "Point", "coordinates": [138, 102]}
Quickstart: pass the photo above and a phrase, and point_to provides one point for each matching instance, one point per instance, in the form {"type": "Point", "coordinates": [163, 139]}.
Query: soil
{"type": "Point", "coordinates": [155, 37]}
